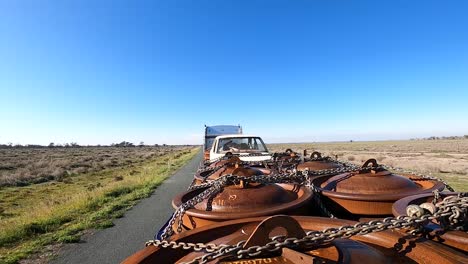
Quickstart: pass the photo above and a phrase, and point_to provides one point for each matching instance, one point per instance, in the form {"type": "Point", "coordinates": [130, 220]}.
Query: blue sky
{"type": "Point", "coordinates": [97, 72]}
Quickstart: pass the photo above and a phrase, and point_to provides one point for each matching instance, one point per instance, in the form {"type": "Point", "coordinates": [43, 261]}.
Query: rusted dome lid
{"type": "Point", "coordinates": [237, 170]}
{"type": "Point", "coordinates": [252, 198]}
{"type": "Point", "coordinates": [246, 200]}
{"type": "Point", "coordinates": [371, 179]}
{"type": "Point", "coordinates": [317, 163]}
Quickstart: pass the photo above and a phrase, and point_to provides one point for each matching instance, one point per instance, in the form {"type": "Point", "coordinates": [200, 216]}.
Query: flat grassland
{"type": "Point", "coordinates": [40, 209]}
{"type": "Point", "coordinates": [23, 166]}
{"type": "Point", "coordinates": [445, 159]}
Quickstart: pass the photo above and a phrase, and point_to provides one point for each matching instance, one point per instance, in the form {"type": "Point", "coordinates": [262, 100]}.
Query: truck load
{"type": "Point", "coordinates": [246, 205]}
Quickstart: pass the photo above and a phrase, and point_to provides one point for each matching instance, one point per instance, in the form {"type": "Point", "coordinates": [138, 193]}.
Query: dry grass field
{"type": "Point", "coordinates": [23, 166]}
{"type": "Point", "coordinates": [446, 159]}
{"type": "Point", "coordinates": [40, 208]}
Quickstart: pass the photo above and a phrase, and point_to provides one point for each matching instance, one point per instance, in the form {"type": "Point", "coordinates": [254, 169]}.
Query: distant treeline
{"type": "Point", "coordinates": [123, 144]}
{"type": "Point", "coordinates": [442, 138]}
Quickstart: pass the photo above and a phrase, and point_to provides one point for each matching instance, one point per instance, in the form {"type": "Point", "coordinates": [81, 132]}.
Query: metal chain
{"type": "Point", "coordinates": [185, 245]}
{"type": "Point", "coordinates": [224, 167]}
{"type": "Point", "coordinates": [436, 196]}
{"type": "Point", "coordinates": [317, 196]}
{"type": "Point", "coordinates": [215, 186]}
{"type": "Point", "coordinates": [332, 171]}
{"type": "Point", "coordinates": [207, 168]}
{"type": "Point", "coordinates": [452, 209]}
{"type": "Point", "coordinates": [192, 184]}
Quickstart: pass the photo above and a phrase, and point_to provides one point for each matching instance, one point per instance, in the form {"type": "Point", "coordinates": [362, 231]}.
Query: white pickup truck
{"type": "Point", "coordinates": [246, 147]}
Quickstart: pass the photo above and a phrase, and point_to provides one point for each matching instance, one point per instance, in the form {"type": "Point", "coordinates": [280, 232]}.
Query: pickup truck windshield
{"type": "Point", "coordinates": [241, 145]}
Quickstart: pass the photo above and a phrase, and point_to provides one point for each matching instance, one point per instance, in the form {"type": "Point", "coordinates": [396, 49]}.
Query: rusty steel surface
{"type": "Point", "coordinates": [381, 247]}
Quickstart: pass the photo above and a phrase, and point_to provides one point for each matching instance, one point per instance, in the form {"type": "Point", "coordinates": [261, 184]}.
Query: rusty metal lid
{"type": "Point", "coordinates": [317, 163]}
{"type": "Point", "coordinates": [373, 182]}
{"type": "Point", "coordinates": [370, 180]}
{"type": "Point", "coordinates": [235, 169]}
{"type": "Point", "coordinates": [251, 200]}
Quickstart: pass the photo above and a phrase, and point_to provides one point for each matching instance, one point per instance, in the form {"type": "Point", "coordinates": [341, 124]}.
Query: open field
{"type": "Point", "coordinates": [38, 217]}
{"type": "Point", "coordinates": [446, 159]}
{"type": "Point", "coordinates": [23, 166]}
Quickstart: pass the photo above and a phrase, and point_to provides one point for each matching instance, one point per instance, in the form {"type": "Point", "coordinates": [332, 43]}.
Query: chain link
{"type": "Point", "coordinates": [316, 194]}
{"type": "Point", "coordinates": [208, 168]}
{"type": "Point", "coordinates": [452, 209]}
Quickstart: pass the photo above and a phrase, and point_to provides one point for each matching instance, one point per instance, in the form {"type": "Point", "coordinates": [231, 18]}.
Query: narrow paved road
{"type": "Point", "coordinates": [130, 233]}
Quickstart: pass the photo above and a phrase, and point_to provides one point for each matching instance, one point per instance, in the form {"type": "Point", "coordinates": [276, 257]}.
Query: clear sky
{"type": "Point", "coordinates": [97, 72]}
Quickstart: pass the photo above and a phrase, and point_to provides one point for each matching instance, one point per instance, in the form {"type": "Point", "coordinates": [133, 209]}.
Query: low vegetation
{"type": "Point", "coordinates": [58, 211]}
{"type": "Point", "coordinates": [21, 166]}
{"type": "Point", "coordinates": [443, 158]}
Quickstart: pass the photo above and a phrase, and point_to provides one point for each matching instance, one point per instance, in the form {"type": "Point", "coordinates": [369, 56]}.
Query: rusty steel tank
{"type": "Point", "coordinates": [317, 163]}
{"type": "Point", "coordinates": [380, 247]}
{"type": "Point", "coordinates": [370, 191]}
{"type": "Point", "coordinates": [244, 201]}
{"type": "Point", "coordinates": [419, 204]}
